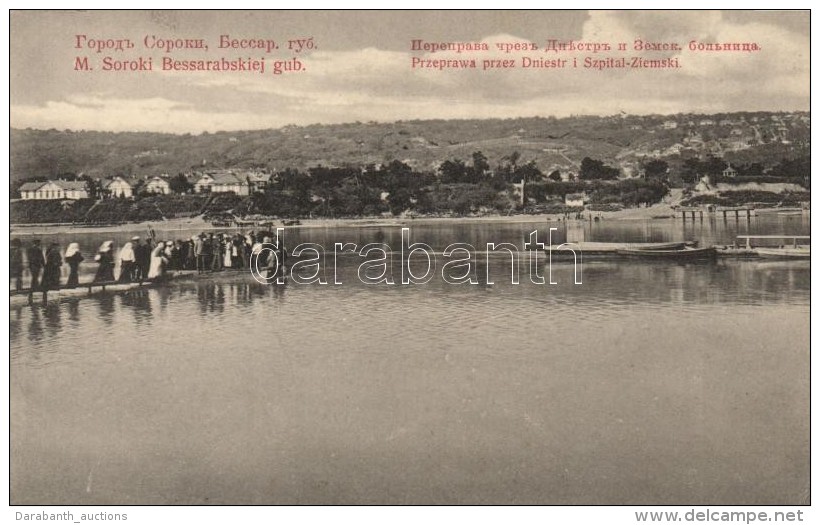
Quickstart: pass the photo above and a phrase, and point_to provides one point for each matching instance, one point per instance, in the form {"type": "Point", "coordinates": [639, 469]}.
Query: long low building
{"type": "Point", "coordinates": [54, 190]}
{"type": "Point", "coordinates": [223, 182]}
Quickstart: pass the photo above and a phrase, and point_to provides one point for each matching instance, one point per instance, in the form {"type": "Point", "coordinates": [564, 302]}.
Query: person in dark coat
{"type": "Point", "coordinates": [247, 243]}
{"type": "Point", "coordinates": [51, 271]}
{"type": "Point", "coordinates": [36, 261]}
{"type": "Point", "coordinates": [238, 251]}
{"type": "Point", "coordinates": [143, 254]}
{"type": "Point", "coordinates": [184, 254]}
{"type": "Point", "coordinates": [281, 255]}
{"type": "Point", "coordinates": [105, 256]}
{"type": "Point", "coordinates": [176, 255]}
{"type": "Point", "coordinates": [208, 250]}
{"type": "Point", "coordinates": [199, 252]}
{"type": "Point", "coordinates": [217, 252]}
{"type": "Point", "coordinates": [16, 263]}
{"type": "Point", "coordinates": [73, 257]}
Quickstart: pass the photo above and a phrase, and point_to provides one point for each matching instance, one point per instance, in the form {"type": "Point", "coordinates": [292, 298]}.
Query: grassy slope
{"type": "Point", "coordinates": [422, 143]}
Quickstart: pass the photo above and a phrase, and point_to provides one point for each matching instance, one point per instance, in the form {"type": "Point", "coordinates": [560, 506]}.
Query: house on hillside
{"type": "Point", "coordinates": [118, 187]}
{"type": "Point", "coordinates": [230, 183]}
{"type": "Point", "coordinates": [704, 184]}
{"type": "Point", "coordinates": [575, 200]}
{"type": "Point", "coordinates": [203, 183]}
{"type": "Point", "coordinates": [730, 172]}
{"type": "Point", "coordinates": [222, 182]}
{"type": "Point", "coordinates": [54, 189]}
{"type": "Point", "coordinates": [518, 191]}
{"type": "Point", "coordinates": [258, 180]}
{"type": "Point", "coordinates": [158, 185]}
{"type": "Point", "coordinates": [630, 170]}
{"type": "Point", "coordinates": [674, 149]}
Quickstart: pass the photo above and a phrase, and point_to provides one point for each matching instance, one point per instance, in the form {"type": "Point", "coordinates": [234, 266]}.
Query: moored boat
{"type": "Point", "coordinates": [739, 252]}
{"type": "Point", "coordinates": [784, 253]}
{"type": "Point", "coordinates": [683, 254]}
{"type": "Point", "coordinates": [612, 248]}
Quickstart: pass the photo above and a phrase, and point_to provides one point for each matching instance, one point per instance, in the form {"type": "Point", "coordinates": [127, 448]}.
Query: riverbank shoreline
{"type": "Point", "coordinates": [658, 211]}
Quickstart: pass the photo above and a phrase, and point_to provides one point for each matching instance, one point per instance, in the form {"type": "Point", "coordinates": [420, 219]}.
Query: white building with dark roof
{"type": "Point", "coordinates": [119, 187]}
{"type": "Point", "coordinates": [158, 185]}
{"type": "Point", "coordinates": [222, 182]}
{"type": "Point", "coordinates": [54, 190]}
{"type": "Point", "coordinates": [730, 172]}
{"type": "Point", "coordinates": [575, 200]}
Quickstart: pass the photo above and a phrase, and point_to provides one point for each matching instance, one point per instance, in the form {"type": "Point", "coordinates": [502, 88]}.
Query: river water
{"type": "Point", "coordinates": [650, 383]}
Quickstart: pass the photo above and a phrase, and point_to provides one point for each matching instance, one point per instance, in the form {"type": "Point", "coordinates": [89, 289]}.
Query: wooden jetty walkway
{"type": "Point", "coordinates": [726, 211]}
{"type": "Point", "coordinates": [89, 288]}
{"type": "Point", "coordinates": [738, 211]}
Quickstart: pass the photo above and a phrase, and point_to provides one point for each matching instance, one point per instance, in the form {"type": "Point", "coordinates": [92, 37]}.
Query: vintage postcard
{"type": "Point", "coordinates": [410, 258]}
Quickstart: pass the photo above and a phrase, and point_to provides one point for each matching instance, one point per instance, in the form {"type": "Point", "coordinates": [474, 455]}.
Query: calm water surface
{"type": "Point", "coordinates": [649, 383]}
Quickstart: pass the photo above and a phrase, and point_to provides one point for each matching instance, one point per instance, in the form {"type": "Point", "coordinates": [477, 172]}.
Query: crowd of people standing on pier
{"type": "Point", "coordinates": [139, 260]}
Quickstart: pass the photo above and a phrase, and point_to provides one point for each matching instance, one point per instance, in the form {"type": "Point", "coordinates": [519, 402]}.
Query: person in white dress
{"type": "Point", "coordinates": [127, 261]}
{"type": "Point", "coordinates": [158, 262]}
{"type": "Point", "coordinates": [230, 251]}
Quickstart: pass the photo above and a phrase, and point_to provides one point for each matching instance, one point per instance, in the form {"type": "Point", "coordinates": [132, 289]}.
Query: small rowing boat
{"type": "Point", "coordinates": [740, 252]}
{"type": "Point", "coordinates": [784, 253]}
{"type": "Point", "coordinates": [684, 254]}
{"type": "Point", "coordinates": [612, 248]}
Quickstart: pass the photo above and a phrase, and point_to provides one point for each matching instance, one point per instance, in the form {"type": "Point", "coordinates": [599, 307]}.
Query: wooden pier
{"type": "Point", "coordinates": [80, 289]}
{"type": "Point", "coordinates": [694, 211]}
{"type": "Point", "coordinates": [727, 211]}
{"type": "Point", "coordinates": [83, 286]}
{"type": "Point", "coordinates": [738, 211]}
{"type": "Point", "coordinates": [89, 288]}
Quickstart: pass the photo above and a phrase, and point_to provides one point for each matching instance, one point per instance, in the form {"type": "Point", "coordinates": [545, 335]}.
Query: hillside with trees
{"type": "Point", "coordinates": [621, 141]}
{"type": "Point", "coordinates": [436, 168]}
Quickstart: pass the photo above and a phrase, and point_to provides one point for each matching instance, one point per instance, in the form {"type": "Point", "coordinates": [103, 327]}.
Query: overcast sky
{"type": "Point", "coordinates": [360, 69]}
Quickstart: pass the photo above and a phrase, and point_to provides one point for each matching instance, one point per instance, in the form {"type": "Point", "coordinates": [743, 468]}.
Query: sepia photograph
{"type": "Point", "coordinates": [395, 257]}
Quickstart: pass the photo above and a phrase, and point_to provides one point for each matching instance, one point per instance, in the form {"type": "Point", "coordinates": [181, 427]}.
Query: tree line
{"type": "Point", "coordinates": [456, 187]}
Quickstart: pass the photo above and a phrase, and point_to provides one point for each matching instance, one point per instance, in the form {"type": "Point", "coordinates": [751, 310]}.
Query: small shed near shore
{"type": "Point", "coordinates": [575, 200]}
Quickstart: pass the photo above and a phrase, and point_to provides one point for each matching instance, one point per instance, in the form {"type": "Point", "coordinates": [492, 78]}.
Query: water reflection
{"type": "Point", "coordinates": [53, 317]}
{"type": "Point", "coordinates": [35, 327]}
{"type": "Point", "coordinates": [73, 308]}
{"type": "Point", "coordinates": [210, 297]}
{"type": "Point", "coordinates": [138, 301]}
{"type": "Point", "coordinates": [242, 292]}
{"type": "Point", "coordinates": [105, 306]}
{"type": "Point", "coordinates": [605, 284]}
{"type": "Point", "coordinates": [15, 323]}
